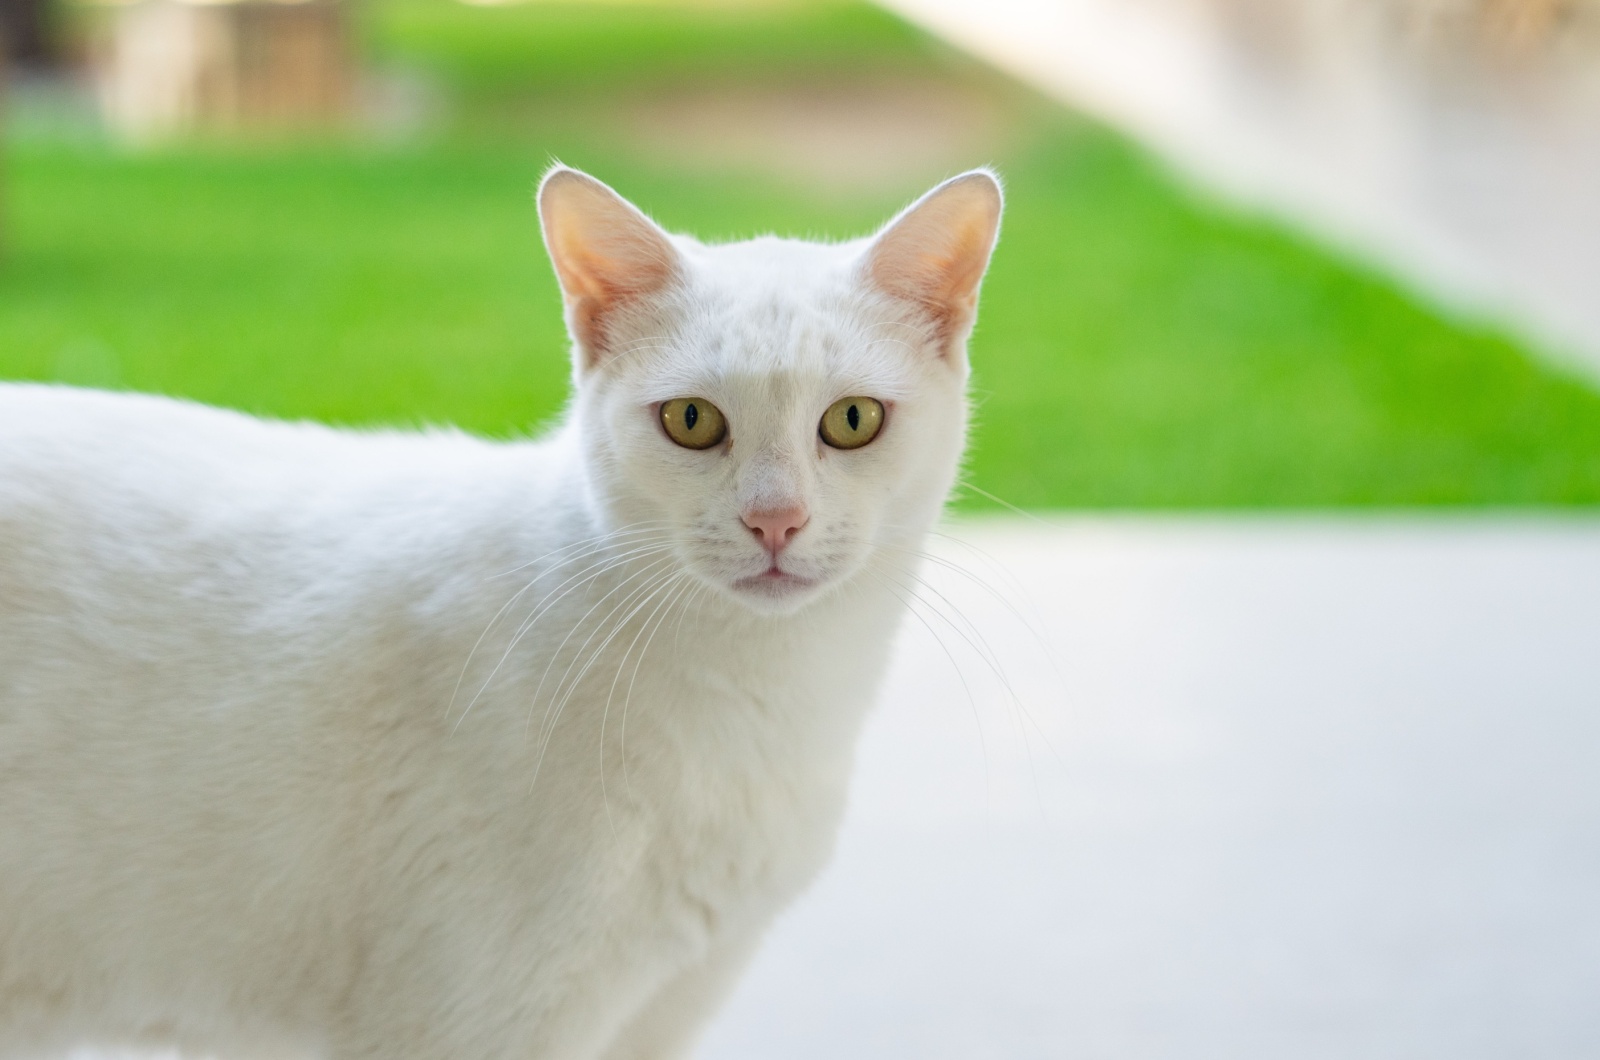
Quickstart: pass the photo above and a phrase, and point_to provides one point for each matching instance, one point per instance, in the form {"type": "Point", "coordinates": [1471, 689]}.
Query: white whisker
{"type": "Point", "coordinates": [651, 570]}
{"type": "Point", "coordinates": [622, 664]}
{"type": "Point", "coordinates": [572, 583]}
{"type": "Point", "coordinates": [622, 749]}
{"type": "Point", "coordinates": [972, 701]}
{"type": "Point", "coordinates": [553, 715]}
{"type": "Point", "coordinates": [597, 542]}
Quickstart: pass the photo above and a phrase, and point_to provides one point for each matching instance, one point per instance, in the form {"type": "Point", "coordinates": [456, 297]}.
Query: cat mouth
{"type": "Point", "coordinates": [774, 582]}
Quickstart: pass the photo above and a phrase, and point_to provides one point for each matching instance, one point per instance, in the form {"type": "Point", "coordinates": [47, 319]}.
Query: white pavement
{"type": "Point", "coordinates": [1314, 789]}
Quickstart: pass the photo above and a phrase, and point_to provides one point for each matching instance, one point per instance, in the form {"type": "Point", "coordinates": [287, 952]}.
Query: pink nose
{"type": "Point", "coordinates": [776, 528]}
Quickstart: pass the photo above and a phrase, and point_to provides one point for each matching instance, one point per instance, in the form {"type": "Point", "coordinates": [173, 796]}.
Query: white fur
{"type": "Point", "coordinates": [378, 746]}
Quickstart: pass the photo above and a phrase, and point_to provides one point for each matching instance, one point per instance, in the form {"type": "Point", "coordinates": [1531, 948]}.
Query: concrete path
{"type": "Point", "coordinates": [1471, 173]}
{"type": "Point", "coordinates": [1311, 789]}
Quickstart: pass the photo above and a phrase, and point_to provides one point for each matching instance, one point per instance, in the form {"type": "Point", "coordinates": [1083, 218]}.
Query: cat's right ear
{"type": "Point", "coordinates": [607, 255]}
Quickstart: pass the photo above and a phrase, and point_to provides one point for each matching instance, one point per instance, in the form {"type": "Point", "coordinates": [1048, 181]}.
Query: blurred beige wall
{"type": "Point", "coordinates": [170, 67]}
{"type": "Point", "coordinates": [1456, 142]}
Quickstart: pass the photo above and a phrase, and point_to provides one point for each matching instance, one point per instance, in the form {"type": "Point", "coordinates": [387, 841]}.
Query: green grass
{"type": "Point", "coordinates": [404, 288]}
{"type": "Point", "coordinates": [1138, 347]}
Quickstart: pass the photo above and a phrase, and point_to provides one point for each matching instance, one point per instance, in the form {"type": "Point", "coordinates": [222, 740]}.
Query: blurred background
{"type": "Point", "coordinates": [323, 209]}
{"type": "Point", "coordinates": [1275, 588]}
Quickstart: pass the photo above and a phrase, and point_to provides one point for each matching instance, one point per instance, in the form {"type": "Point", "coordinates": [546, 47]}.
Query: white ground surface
{"type": "Point", "coordinates": [1317, 789]}
{"type": "Point", "coordinates": [1312, 789]}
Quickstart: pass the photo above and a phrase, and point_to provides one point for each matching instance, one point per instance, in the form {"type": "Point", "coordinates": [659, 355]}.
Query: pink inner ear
{"type": "Point", "coordinates": [606, 253]}
{"type": "Point", "coordinates": [935, 254]}
{"type": "Point", "coordinates": [598, 262]}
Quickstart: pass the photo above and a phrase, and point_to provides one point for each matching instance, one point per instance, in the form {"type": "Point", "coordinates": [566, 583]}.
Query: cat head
{"type": "Point", "coordinates": [772, 411]}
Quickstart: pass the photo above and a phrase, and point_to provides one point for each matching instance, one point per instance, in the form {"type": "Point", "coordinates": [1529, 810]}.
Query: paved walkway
{"type": "Point", "coordinates": [1315, 789]}
{"type": "Point", "coordinates": [1477, 185]}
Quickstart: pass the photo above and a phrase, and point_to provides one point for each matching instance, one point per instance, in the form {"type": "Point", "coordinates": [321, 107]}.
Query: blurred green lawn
{"type": "Point", "coordinates": [1138, 347]}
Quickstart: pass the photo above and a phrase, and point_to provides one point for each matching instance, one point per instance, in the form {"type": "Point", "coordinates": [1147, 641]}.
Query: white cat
{"type": "Point", "coordinates": [376, 745]}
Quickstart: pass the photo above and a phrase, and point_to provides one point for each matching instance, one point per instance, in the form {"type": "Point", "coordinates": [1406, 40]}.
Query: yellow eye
{"type": "Point", "coordinates": [851, 422]}
{"type": "Point", "coordinates": [693, 423]}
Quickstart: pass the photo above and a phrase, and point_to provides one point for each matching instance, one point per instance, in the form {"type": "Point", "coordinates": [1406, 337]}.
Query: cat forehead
{"type": "Point", "coordinates": [773, 263]}
{"type": "Point", "coordinates": [771, 305]}
{"type": "Point", "coordinates": [769, 313]}
{"type": "Point", "coordinates": [811, 342]}
{"type": "Point", "coordinates": [776, 349]}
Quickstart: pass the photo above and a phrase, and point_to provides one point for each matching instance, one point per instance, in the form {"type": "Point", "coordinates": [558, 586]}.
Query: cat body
{"type": "Point", "coordinates": [361, 745]}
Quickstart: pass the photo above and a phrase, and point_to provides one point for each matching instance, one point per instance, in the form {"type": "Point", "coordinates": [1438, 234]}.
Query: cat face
{"type": "Point", "coordinates": [774, 411]}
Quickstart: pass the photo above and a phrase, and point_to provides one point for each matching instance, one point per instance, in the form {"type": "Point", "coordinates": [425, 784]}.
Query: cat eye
{"type": "Point", "coordinates": [851, 422]}
{"type": "Point", "coordinates": [693, 423]}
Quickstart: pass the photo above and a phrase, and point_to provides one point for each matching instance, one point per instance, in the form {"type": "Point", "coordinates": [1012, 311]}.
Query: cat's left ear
{"type": "Point", "coordinates": [935, 253]}
{"type": "Point", "coordinates": [607, 254]}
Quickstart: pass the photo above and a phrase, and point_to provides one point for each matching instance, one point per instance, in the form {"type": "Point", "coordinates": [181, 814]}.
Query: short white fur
{"type": "Point", "coordinates": [377, 745]}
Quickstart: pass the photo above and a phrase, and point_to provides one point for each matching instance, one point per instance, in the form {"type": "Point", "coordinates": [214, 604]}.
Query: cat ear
{"type": "Point", "coordinates": [607, 254]}
{"type": "Point", "coordinates": [936, 251]}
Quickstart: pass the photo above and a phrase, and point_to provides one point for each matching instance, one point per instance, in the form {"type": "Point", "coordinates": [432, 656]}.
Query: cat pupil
{"type": "Point", "coordinates": [854, 416]}
{"type": "Point", "coordinates": [691, 416]}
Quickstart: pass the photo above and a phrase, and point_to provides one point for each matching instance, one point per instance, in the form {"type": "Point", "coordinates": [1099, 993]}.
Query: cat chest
{"type": "Point", "coordinates": [730, 850]}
